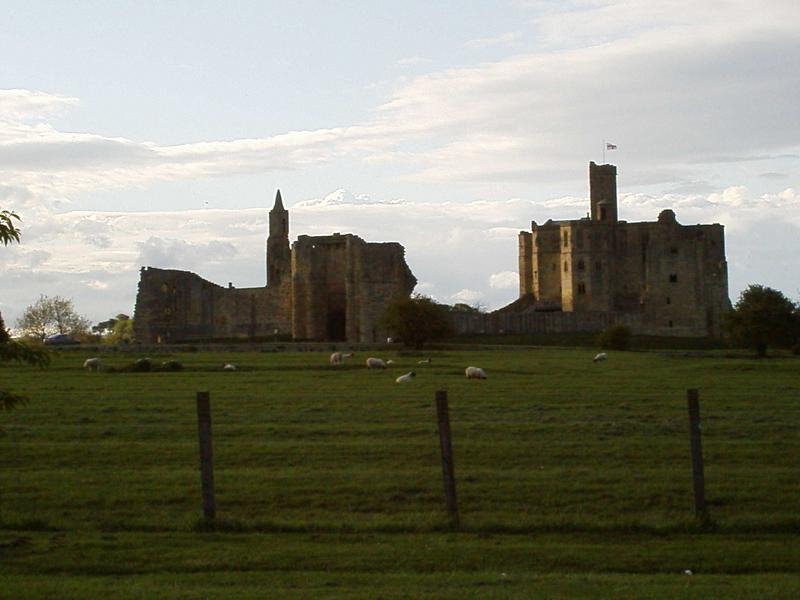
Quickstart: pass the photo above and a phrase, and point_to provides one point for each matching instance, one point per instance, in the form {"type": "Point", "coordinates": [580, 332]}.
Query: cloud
{"type": "Point", "coordinates": [24, 104]}
{"type": "Point", "coordinates": [466, 296]}
{"type": "Point", "coordinates": [505, 39]}
{"type": "Point", "coordinates": [180, 254]}
{"type": "Point", "coordinates": [504, 280]}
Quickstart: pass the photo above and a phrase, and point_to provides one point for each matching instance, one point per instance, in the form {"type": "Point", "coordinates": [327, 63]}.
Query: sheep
{"type": "Point", "coordinates": [406, 378]}
{"type": "Point", "coordinates": [425, 361]}
{"type": "Point", "coordinates": [600, 357]}
{"type": "Point", "coordinates": [337, 358]}
{"type": "Point", "coordinates": [92, 364]}
{"type": "Point", "coordinates": [390, 362]}
{"type": "Point", "coordinates": [375, 363]}
{"type": "Point", "coordinates": [229, 367]}
{"type": "Point", "coordinates": [143, 365]}
{"type": "Point", "coordinates": [474, 373]}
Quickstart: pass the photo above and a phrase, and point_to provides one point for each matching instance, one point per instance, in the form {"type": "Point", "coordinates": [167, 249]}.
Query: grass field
{"type": "Point", "coordinates": [573, 478]}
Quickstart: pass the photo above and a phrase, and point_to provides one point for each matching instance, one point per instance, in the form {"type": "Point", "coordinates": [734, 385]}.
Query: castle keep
{"type": "Point", "coordinates": [323, 288]}
{"type": "Point", "coordinates": [583, 275]}
{"type": "Point", "coordinates": [660, 278]}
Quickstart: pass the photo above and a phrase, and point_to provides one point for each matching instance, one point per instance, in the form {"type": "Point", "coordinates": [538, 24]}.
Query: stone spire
{"type": "Point", "coordinates": [278, 255]}
{"type": "Point", "coordinates": [278, 202]}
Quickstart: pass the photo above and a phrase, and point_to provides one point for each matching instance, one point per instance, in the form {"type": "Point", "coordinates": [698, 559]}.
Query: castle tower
{"type": "Point", "coordinates": [278, 256]}
{"type": "Point", "coordinates": [603, 192]}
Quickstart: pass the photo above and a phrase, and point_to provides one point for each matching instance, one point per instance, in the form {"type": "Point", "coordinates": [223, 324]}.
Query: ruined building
{"type": "Point", "coordinates": [659, 277]}
{"type": "Point", "coordinates": [324, 288]}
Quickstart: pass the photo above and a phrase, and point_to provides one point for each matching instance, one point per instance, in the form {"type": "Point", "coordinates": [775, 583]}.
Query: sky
{"type": "Point", "coordinates": [156, 134]}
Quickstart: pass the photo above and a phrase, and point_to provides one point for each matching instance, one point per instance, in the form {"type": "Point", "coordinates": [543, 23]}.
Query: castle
{"type": "Point", "coordinates": [658, 278]}
{"type": "Point", "coordinates": [322, 288]}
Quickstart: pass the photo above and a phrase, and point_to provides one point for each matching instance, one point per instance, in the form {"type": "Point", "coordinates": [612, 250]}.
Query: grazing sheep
{"type": "Point", "coordinates": [425, 361]}
{"type": "Point", "coordinates": [337, 358]}
{"type": "Point", "coordinates": [92, 364]}
{"type": "Point", "coordinates": [600, 357]}
{"type": "Point", "coordinates": [143, 365]}
{"type": "Point", "coordinates": [406, 378]}
{"type": "Point", "coordinates": [229, 367]}
{"type": "Point", "coordinates": [475, 373]}
{"type": "Point", "coordinates": [390, 362]}
{"type": "Point", "coordinates": [171, 365]}
{"type": "Point", "coordinates": [375, 363]}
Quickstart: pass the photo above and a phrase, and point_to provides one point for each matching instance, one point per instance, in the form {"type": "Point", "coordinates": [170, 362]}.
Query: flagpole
{"type": "Point", "coordinates": [604, 152]}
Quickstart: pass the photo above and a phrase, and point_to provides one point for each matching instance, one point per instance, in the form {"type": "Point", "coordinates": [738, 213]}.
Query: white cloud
{"type": "Point", "coordinates": [504, 280]}
{"type": "Point", "coordinates": [505, 39]}
{"type": "Point", "coordinates": [23, 104]}
{"type": "Point", "coordinates": [466, 296]}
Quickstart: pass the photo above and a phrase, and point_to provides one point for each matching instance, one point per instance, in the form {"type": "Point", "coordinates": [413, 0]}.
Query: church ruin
{"type": "Point", "coordinates": [322, 288]}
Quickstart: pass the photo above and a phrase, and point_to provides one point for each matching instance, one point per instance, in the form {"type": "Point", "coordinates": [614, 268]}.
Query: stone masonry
{"type": "Point", "coordinates": [322, 288]}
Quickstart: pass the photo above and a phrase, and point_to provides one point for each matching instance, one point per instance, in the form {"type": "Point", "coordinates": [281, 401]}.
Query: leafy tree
{"type": "Point", "coordinates": [122, 332]}
{"type": "Point", "coordinates": [48, 316]}
{"type": "Point", "coordinates": [763, 317]}
{"type": "Point", "coordinates": [8, 232]}
{"type": "Point", "coordinates": [416, 320]}
{"type": "Point", "coordinates": [11, 350]}
{"type": "Point", "coordinates": [616, 337]}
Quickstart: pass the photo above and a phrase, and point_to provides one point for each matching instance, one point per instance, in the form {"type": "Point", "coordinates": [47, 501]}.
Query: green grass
{"type": "Point", "coordinates": [573, 478]}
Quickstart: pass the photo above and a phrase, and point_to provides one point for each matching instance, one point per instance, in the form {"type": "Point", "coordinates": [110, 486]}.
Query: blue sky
{"type": "Point", "coordinates": [137, 133]}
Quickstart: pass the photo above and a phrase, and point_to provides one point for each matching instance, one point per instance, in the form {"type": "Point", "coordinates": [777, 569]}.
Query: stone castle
{"type": "Point", "coordinates": [322, 288]}
{"type": "Point", "coordinates": [657, 278]}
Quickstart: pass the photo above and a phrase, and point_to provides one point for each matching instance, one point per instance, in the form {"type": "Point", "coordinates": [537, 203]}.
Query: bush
{"type": "Point", "coordinates": [616, 337]}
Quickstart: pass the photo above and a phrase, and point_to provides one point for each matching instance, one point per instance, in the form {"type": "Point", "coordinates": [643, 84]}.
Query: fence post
{"type": "Point", "coordinates": [445, 443]}
{"type": "Point", "coordinates": [698, 479]}
{"type": "Point", "coordinates": [206, 465]}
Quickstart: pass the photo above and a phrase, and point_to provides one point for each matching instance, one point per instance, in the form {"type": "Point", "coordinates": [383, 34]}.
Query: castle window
{"type": "Point", "coordinates": [602, 213]}
{"type": "Point", "coordinates": [669, 300]}
{"type": "Point", "coordinates": [581, 288]}
{"type": "Point", "coordinates": [669, 324]}
{"type": "Point", "coordinates": [535, 275]}
{"type": "Point", "coordinates": [673, 278]}
{"type": "Point", "coordinates": [581, 265]}
{"type": "Point", "coordinates": [566, 266]}
{"type": "Point", "coordinates": [555, 267]}
{"type": "Point", "coordinates": [566, 239]}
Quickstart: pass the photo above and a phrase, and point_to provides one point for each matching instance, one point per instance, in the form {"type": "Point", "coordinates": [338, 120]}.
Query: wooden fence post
{"type": "Point", "coordinates": [206, 465]}
{"type": "Point", "coordinates": [445, 443]}
{"type": "Point", "coordinates": [698, 479]}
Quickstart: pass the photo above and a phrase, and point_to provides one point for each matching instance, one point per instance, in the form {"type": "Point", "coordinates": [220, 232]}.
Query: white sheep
{"type": "Point", "coordinates": [406, 378]}
{"type": "Point", "coordinates": [375, 363]}
{"type": "Point", "coordinates": [600, 357]}
{"type": "Point", "coordinates": [337, 358]}
{"type": "Point", "coordinates": [390, 362]}
{"type": "Point", "coordinates": [92, 364]}
{"type": "Point", "coordinates": [229, 367]}
{"type": "Point", "coordinates": [425, 361]}
{"type": "Point", "coordinates": [475, 373]}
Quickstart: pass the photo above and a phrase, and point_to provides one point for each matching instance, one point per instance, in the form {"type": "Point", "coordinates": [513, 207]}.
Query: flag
{"type": "Point", "coordinates": [610, 146]}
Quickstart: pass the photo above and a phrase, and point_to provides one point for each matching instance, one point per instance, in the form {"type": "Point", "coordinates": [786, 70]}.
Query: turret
{"type": "Point", "coordinates": [603, 192]}
{"type": "Point", "coordinates": [278, 255]}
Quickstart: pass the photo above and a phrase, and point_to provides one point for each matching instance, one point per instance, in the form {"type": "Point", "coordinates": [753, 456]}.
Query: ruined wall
{"type": "Point", "coordinates": [341, 286]}
{"type": "Point", "coordinates": [178, 306]}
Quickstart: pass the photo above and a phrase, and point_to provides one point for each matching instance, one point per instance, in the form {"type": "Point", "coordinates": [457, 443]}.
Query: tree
{"type": "Point", "coordinates": [416, 320]}
{"type": "Point", "coordinates": [11, 350]}
{"type": "Point", "coordinates": [616, 337]}
{"type": "Point", "coordinates": [8, 232]}
{"type": "Point", "coordinates": [48, 316]}
{"type": "Point", "coordinates": [763, 317]}
{"type": "Point", "coordinates": [122, 332]}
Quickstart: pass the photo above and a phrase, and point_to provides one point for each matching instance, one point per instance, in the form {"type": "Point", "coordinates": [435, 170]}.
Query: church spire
{"type": "Point", "coordinates": [278, 202]}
